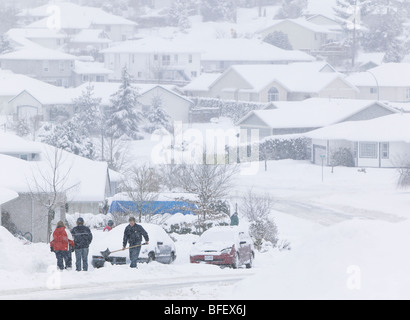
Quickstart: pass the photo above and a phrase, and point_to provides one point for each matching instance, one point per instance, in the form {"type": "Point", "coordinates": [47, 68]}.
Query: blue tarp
{"type": "Point", "coordinates": [157, 207]}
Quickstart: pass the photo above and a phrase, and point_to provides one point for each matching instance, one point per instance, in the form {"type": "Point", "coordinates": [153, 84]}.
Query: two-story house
{"type": "Point", "coordinates": [153, 59]}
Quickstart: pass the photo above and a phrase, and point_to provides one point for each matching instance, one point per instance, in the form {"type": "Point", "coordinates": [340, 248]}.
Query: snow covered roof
{"type": "Point", "coordinates": [242, 49]}
{"type": "Point", "coordinates": [327, 29]}
{"type": "Point", "coordinates": [311, 113]}
{"type": "Point", "coordinates": [86, 180]}
{"type": "Point", "coordinates": [10, 143]}
{"type": "Point", "coordinates": [387, 75]}
{"type": "Point", "coordinates": [36, 52]}
{"type": "Point", "coordinates": [202, 83]}
{"type": "Point", "coordinates": [296, 77]}
{"type": "Point", "coordinates": [88, 67]}
{"type": "Point", "coordinates": [151, 45]}
{"type": "Point", "coordinates": [325, 8]}
{"type": "Point", "coordinates": [12, 84]}
{"type": "Point", "coordinates": [22, 35]}
{"type": "Point", "coordinates": [391, 128]}
{"type": "Point", "coordinates": [105, 90]}
{"type": "Point", "coordinates": [73, 16]}
{"type": "Point", "coordinates": [91, 36]}
{"type": "Point", "coordinates": [7, 195]}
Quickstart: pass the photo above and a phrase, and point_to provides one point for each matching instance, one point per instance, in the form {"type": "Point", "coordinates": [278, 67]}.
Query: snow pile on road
{"type": "Point", "coordinates": [351, 260]}
{"type": "Point", "coordinates": [18, 257]}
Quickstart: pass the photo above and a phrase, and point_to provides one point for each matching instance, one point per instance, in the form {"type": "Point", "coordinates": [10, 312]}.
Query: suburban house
{"type": "Point", "coordinates": [38, 62]}
{"type": "Point", "coordinates": [153, 59]}
{"type": "Point", "coordinates": [389, 82]}
{"type": "Point", "coordinates": [305, 35]}
{"type": "Point", "coordinates": [88, 42]}
{"type": "Point", "coordinates": [83, 184]}
{"type": "Point", "coordinates": [45, 37]}
{"type": "Point", "coordinates": [177, 106]}
{"type": "Point", "coordinates": [90, 71]}
{"type": "Point", "coordinates": [72, 19]}
{"type": "Point", "coordinates": [268, 83]}
{"type": "Point", "coordinates": [220, 54]}
{"type": "Point", "coordinates": [369, 146]}
{"type": "Point", "coordinates": [25, 97]}
{"type": "Point", "coordinates": [310, 114]}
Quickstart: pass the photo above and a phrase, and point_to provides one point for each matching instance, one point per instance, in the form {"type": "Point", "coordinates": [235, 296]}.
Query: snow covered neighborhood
{"type": "Point", "coordinates": [217, 150]}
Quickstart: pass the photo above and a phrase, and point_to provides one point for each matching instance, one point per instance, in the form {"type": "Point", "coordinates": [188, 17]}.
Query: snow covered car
{"type": "Point", "coordinates": [224, 246]}
{"type": "Point", "coordinates": [161, 247]}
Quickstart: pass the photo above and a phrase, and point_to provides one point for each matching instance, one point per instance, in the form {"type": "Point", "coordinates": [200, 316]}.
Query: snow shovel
{"type": "Point", "coordinates": [107, 252]}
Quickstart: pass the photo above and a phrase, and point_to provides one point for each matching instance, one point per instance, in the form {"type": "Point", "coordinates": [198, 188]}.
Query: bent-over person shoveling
{"type": "Point", "coordinates": [133, 234]}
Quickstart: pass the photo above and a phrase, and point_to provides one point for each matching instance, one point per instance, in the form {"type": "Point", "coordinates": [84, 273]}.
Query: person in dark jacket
{"type": "Point", "coordinates": [82, 240]}
{"type": "Point", "coordinates": [133, 234]}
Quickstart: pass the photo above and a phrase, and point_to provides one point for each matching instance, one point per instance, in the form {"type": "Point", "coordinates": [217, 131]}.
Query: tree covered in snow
{"type": "Point", "coordinates": [291, 9]}
{"type": "Point", "coordinates": [179, 12]}
{"type": "Point", "coordinates": [72, 137]}
{"type": "Point", "coordinates": [219, 10]}
{"type": "Point", "coordinates": [157, 117]}
{"type": "Point", "coordinates": [278, 39]}
{"type": "Point", "coordinates": [124, 118]}
{"type": "Point", "coordinates": [87, 111]}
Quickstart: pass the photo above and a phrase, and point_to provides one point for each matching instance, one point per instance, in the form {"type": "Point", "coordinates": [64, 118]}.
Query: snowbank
{"type": "Point", "coordinates": [352, 260]}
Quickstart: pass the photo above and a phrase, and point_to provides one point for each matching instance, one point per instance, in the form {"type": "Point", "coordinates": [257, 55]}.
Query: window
{"type": "Point", "coordinates": [139, 74]}
{"type": "Point", "coordinates": [190, 58]}
{"type": "Point", "coordinates": [166, 60]}
{"type": "Point", "coordinates": [368, 150]}
{"type": "Point", "coordinates": [62, 66]}
{"type": "Point", "coordinates": [176, 58]}
{"type": "Point", "coordinates": [46, 66]}
{"type": "Point", "coordinates": [155, 57]}
{"type": "Point", "coordinates": [374, 90]}
{"type": "Point", "coordinates": [385, 150]}
{"type": "Point", "coordinates": [99, 78]}
{"type": "Point", "coordinates": [273, 94]}
{"type": "Point", "coordinates": [408, 94]}
{"type": "Point", "coordinates": [194, 74]}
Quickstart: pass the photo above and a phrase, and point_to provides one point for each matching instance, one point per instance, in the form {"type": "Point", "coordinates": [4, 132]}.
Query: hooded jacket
{"type": "Point", "coordinates": [133, 235]}
{"type": "Point", "coordinates": [61, 239]}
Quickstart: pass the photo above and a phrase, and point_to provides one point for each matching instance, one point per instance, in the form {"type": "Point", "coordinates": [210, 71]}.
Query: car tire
{"type": "Point", "coordinates": [235, 264]}
{"type": "Point", "coordinates": [250, 264]}
{"type": "Point", "coordinates": [151, 257]}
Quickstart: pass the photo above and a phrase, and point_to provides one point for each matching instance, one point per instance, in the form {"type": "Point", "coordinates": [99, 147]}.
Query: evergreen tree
{"type": "Point", "coordinates": [158, 118]}
{"type": "Point", "coordinates": [71, 137]}
{"type": "Point", "coordinates": [124, 118]}
{"type": "Point", "coordinates": [179, 12]}
{"type": "Point", "coordinates": [292, 9]}
{"type": "Point", "coordinates": [87, 111]}
{"type": "Point", "coordinates": [219, 10]}
{"type": "Point", "coordinates": [278, 39]}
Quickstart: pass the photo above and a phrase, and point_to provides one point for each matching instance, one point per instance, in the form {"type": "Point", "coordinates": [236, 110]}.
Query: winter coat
{"type": "Point", "coordinates": [82, 237]}
{"type": "Point", "coordinates": [235, 220]}
{"type": "Point", "coordinates": [61, 239]}
{"type": "Point", "coordinates": [133, 235]}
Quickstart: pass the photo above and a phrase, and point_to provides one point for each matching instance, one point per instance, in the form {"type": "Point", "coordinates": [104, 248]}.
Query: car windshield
{"type": "Point", "coordinates": [217, 235]}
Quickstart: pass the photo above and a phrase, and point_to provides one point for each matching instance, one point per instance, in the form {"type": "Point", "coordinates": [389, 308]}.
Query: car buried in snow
{"type": "Point", "coordinates": [224, 246]}
{"type": "Point", "coordinates": [161, 247]}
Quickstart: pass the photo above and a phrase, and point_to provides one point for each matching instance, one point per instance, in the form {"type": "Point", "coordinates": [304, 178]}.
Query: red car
{"type": "Point", "coordinates": [224, 246]}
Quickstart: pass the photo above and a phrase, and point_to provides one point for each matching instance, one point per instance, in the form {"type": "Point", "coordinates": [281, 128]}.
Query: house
{"type": "Point", "coordinates": [25, 97]}
{"type": "Point", "coordinates": [14, 146]}
{"type": "Point", "coordinates": [89, 42]}
{"type": "Point", "coordinates": [304, 35]}
{"type": "Point", "coordinates": [153, 59]}
{"type": "Point", "coordinates": [379, 143]}
{"type": "Point", "coordinates": [90, 71]}
{"type": "Point", "coordinates": [311, 114]}
{"type": "Point", "coordinates": [72, 19]}
{"type": "Point", "coordinates": [267, 83]}
{"type": "Point", "coordinates": [389, 82]}
{"type": "Point", "coordinates": [176, 105]}
{"type": "Point", "coordinates": [48, 38]}
{"type": "Point", "coordinates": [83, 185]}
{"type": "Point", "coordinates": [38, 62]}
{"type": "Point", "coordinates": [220, 54]}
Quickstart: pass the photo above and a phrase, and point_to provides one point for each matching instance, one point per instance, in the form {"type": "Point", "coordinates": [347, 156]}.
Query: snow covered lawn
{"type": "Point", "coordinates": [349, 237]}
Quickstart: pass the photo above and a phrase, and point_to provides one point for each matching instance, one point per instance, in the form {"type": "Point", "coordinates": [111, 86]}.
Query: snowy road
{"type": "Point", "coordinates": [170, 288]}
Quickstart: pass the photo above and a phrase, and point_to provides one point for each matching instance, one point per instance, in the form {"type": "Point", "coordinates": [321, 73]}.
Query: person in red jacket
{"type": "Point", "coordinates": [61, 243]}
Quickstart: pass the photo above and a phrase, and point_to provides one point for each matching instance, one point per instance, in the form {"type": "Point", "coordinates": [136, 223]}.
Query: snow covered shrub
{"type": "Point", "coordinates": [279, 149]}
{"type": "Point", "coordinates": [263, 230]}
{"type": "Point", "coordinates": [278, 39]}
{"type": "Point", "coordinates": [342, 157]}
